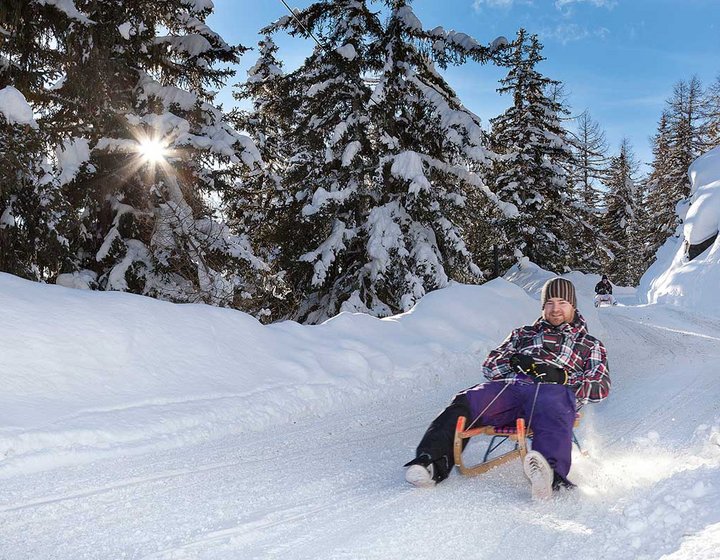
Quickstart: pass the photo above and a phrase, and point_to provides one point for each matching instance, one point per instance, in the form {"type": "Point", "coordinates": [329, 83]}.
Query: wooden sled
{"type": "Point", "coordinates": [519, 434]}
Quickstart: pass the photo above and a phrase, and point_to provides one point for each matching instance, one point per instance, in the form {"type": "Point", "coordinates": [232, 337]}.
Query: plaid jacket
{"type": "Point", "coordinates": [568, 346]}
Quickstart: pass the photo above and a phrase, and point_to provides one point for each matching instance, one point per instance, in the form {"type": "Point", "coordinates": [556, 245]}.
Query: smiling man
{"type": "Point", "coordinates": [542, 372]}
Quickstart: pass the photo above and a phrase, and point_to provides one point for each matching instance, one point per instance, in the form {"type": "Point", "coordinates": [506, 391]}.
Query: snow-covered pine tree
{"type": "Point", "coordinates": [621, 219]}
{"type": "Point", "coordinates": [137, 77]}
{"type": "Point", "coordinates": [357, 232]}
{"type": "Point", "coordinates": [535, 153]}
{"type": "Point", "coordinates": [661, 219]}
{"type": "Point", "coordinates": [35, 218]}
{"type": "Point", "coordinates": [316, 225]}
{"type": "Point", "coordinates": [253, 204]}
{"type": "Point", "coordinates": [416, 229]}
{"type": "Point", "coordinates": [36, 221]}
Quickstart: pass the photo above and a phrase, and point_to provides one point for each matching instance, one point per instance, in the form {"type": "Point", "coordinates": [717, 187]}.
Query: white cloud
{"type": "Point", "coordinates": [478, 4]}
{"type": "Point", "coordinates": [559, 4]}
{"type": "Point", "coordinates": [570, 32]}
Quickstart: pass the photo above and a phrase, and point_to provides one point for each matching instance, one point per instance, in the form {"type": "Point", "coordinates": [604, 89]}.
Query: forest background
{"type": "Point", "coordinates": [357, 179]}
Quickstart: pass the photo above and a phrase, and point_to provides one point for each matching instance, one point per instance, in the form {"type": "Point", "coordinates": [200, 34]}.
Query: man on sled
{"type": "Point", "coordinates": [604, 290]}
{"type": "Point", "coordinates": [541, 373]}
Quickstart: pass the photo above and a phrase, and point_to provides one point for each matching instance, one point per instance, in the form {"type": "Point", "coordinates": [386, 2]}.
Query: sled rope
{"type": "Point", "coordinates": [532, 410]}
{"type": "Point", "coordinates": [484, 410]}
{"type": "Point", "coordinates": [490, 404]}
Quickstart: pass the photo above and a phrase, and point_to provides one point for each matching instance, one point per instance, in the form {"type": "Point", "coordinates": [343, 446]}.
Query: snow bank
{"type": "Point", "coordinates": [91, 371]}
{"type": "Point", "coordinates": [675, 280]}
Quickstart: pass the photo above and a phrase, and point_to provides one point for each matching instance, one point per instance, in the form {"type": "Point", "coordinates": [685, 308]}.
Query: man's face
{"type": "Point", "coordinates": [558, 311]}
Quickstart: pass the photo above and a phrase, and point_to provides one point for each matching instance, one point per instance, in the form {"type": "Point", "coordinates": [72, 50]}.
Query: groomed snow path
{"type": "Point", "coordinates": [333, 488]}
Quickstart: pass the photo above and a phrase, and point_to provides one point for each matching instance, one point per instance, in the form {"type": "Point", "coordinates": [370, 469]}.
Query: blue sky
{"type": "Point", "coordinates": [617, 58]}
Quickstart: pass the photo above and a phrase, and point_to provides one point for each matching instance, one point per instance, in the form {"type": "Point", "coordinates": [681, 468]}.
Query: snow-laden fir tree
{"type": "Point", "coordinates": [621, 221]}
{"type": "Point", "coordinates": [427, 141]}
{"type": "Point", "coordinates": [138, 77]}
{"type": "Point", "coordinates": [378, 178]}
{"type": "Point", "coordinates": [253, 203]}
{"type": "Point", "coordinates": [534, 156]}
{"type": "Point", "coordinates": [661, 219]}
{"type": "Point", "coordinates": [36, 221]}
{"type": "Point", "coordinates": [326, 179]}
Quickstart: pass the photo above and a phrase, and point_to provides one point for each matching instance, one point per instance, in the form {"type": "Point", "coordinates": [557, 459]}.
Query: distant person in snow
{"type": "Point", "coordinates": [542, 373]}
{"type": "Point", "coordinates": [603, 291]}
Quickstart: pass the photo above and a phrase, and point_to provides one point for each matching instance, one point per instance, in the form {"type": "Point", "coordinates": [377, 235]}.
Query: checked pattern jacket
{"type": "Point", "coordinates": [568, 346]}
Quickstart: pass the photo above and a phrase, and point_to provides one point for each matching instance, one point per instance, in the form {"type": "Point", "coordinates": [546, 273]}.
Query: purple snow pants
{"type": "Point", "coordinates": [552, 419]}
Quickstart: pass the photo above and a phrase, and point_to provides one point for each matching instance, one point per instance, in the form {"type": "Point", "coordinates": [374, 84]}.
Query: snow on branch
{"type": "Point", "coordinates": [408, 165]}
{"type": "Point", "coordinates": [462, 173]}
{"type": "Point", "coordinates": [68, 8]}
{"type": "Point", "coordinates": [385, 235]}
{"type": "Point", "coordinates": [168, 95]}
{"type": "Point", "coordinates": [71, 156]}
{"type": "Point", "coordinates": [191, 45]}
{"type": "Point", "coordinates": [15, 108]}
{"type": "Point", "coordinates": [325, 254]}
{"type": "Point", "coordinates": [408, 18]}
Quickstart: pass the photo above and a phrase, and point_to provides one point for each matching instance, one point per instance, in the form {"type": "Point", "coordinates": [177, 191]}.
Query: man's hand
{"type": "Point", "coordinates": [522, 363]}
{"type": "Point", "coordinates": [544, 373]}
{"type": "Point", "coordinates": [548, 373]}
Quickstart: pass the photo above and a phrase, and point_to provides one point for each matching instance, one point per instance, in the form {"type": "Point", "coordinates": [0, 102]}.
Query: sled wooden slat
{"type": "Point", "coordinates": [519, 435]}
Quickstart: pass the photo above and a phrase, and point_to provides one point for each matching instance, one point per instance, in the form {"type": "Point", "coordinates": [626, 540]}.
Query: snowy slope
{"type": "Point", "coordinates": [325, 480]}
{"type": "Point", "coordinates": [88, 372]}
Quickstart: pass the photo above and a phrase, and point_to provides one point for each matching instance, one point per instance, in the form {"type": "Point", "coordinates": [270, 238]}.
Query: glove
{"type": "Point", "coordinates": [548, 373]}
{"type": "Point", "coordinates": [522, 363]}
{"type": "Point", "coordinates": [540, 372]}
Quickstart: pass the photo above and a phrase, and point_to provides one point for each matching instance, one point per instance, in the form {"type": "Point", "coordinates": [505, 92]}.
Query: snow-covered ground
{"type": "Point", "coordinates": [134, 428]}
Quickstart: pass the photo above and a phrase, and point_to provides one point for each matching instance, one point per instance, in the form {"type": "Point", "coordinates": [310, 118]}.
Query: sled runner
{"type": "Point", "coordinates": [519, 434]}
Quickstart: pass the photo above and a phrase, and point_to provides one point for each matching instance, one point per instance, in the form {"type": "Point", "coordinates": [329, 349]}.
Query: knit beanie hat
{"type": "Point", "coordinates": [558, 288]}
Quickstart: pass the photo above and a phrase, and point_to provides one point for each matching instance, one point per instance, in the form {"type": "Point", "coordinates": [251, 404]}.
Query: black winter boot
{"type": "Point", "coordinates": [560, 483]}
{"type": "Point", "coordinates": [424, 472]}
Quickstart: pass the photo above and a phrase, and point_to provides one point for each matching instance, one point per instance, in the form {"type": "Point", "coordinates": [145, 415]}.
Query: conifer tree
{"type": "Point", "coordinates": [535, 154]}
{"type": "Point", "coordinates": [621, 219]}
{"type": "Point", "coordinates": [316, 225]}
{"type": "Point", "coordinates": [661, 219]}
{"type": "Point", "coordinates": [427, 142]}
{"type": "Point", "coordinates": [269, 124]}
{"type": "Point", "coordinates": [138, 76]}
{"type": "Point", "coordinates": [256, 199]}
{"type": "Point", "coordinates": [686, 130]}
{"type": "Point", "coordinates": [680, 139]}
{"type": "Point", "coordinates": [37, 224]}
{"type": "Point", "coordinates": [592, 160]}
{"type": "Point", "coordinates": [379, 149]}
{"type": "Point", "coordinates": [711, 112]}
{"type": "Point", "coordinates": [35, 220]}
{"type": "Point", "coordinates": [589, 246]}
